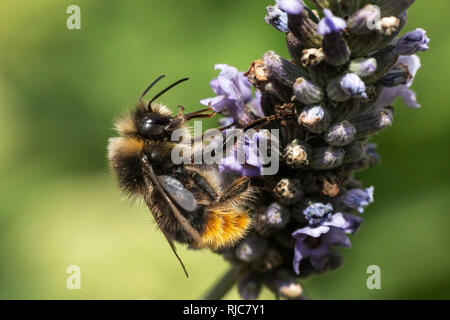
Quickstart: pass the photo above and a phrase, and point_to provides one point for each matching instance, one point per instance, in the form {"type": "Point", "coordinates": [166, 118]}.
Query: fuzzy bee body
{"type": "Point", "coordinates": [191, 203]}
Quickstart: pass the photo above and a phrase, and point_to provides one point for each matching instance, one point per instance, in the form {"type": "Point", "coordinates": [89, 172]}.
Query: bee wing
{"type": "Point", "coordinates": [178, 193]}
{"type": "Point", "coordinates": [176, 212]}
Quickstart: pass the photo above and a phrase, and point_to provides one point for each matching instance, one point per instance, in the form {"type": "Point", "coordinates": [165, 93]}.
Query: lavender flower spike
{"type": "Point", "coordinates": [412, 42]}
{"type": "Point", "coordinates": [326, 100]}
{"type": "Point", "coordinates": [358, 198]}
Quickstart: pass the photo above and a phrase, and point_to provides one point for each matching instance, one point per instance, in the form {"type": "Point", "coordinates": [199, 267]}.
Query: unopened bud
{"type": "Point", "coordinates": [277, 18]}
{"type": "Point", "coordinates": [327, 157]}
{"type": "Point", "coordinates": [297, 154]}
{"type": "Point", "coordinates": [289, 191]}
{"type": "Point", "coordinates": [412, 42]}
{"type": "Point", "coordinates": [251, 248]}
{"type": "Point", "coordinates": [364, 20]}
{"type": "Point", "coordinates": [334, 46]}
{"type": "Point", "coordinates": [363, 67]}
{"type": "Point", "coordinates": [307, 92]}
{"type": "Point", "coordinates": [311, 57]}
{"type": "Point", "coordinates": [345, 87]}
{"type": "Point", "coordinates": [354, 151]}
{"type": "Point", "coordinates": [373, 121]}
{"type": "Point", "coordinates": [316, 119]}
{"type": "Point", "coordinates": [281, 69]}
{"type": "Point", "coordinates": [284, 284]}
{"type": "Point", "coordinates": [396, 76]}
{"type": "Point", "coordinates": [276, 216]}
{"type": "Point", "coordinates": [340, 134]}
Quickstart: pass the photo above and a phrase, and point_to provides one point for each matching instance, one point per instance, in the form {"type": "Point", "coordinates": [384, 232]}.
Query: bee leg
{"type": "Point", "coordinates": [180, 111]}
{"type": "Point", "coordinates": [200, 114]}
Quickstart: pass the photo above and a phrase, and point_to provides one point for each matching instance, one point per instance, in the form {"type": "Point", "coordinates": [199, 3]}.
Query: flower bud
{"type": "Point", "coordinates": [340, 134]}
{"type": "Point", "coordinates": [307, 92]}
{"type": "Point", "coordinates": [386, 59]}
{"type": "Point", "coordinates": [345, 87]}
{"type": "Point", "coordinates": [363, 67]}
{"type": "Point", "coordinates": [311, 57]}
{"type": "Point", "coordinates": [364, 20]}
{"type": "Point", "coordinates": [390, 25]}
{"type": "Point", "coordinates": [295, 47]}
{"type": "Point", "coordinates": [276, 216]}
{"type": "Point", "coordinates": [412, 42]}
{"type": "Point", "coordinates": [249, 285]}
{"type": "Point", "coordinates": [281, 69]}
{"type": "Point", "coordinates": [315, 118]}
{"type": "Point", "coordinates": [334, 46]}
{"type": "Point", "coordinates": [354, 151]}
{"type": "Point", "coordinates": [300, 23]}
{"type": "Point", "coordinates": [396, 76]}
{"type": "Point", "coordinates": [329, 157]}
{"type": "Point", "coordinates": [289, 191]}
{"type": "Point", "coordinates": [297, 154]}
{"type": "Point", "coordinates": [251, 249]}
{"type": "Point", "coordinates": [373, 121]}
{"type": "Point", "coordinates": [277, 18]}
{"type": "Point", "coordinates": [284, 284]}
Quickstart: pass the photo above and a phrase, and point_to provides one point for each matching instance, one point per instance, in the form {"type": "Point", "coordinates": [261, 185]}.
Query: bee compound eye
{"type": "Point", "coordinates": [153, 125]}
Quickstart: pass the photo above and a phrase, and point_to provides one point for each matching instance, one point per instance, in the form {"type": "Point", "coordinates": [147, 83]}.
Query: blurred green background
{"type": "Point", "coordinates": [59, 205]}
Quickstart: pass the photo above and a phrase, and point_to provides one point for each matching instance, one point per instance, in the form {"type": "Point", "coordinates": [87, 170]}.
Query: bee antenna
{"type": "Point", "coordinates": [150, 86]}
{"type": "Point", "coordinates": [167, 89]}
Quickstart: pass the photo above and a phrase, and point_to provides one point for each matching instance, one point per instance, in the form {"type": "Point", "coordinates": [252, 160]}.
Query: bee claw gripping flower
{"type": "Point", "coordinates": [349, 62]}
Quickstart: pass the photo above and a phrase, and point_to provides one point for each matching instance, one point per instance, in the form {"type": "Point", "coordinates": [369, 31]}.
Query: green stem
{"type": "Point", "coordinates": [222, 286]}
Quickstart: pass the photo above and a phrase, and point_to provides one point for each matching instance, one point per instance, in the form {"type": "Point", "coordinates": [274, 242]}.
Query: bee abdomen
{"type": "Point", "coordinates": [223, 228]}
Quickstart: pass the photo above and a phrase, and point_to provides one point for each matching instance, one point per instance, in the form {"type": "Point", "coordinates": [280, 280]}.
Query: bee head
{"type": "Point", "coordinates": [153, 124]}
{"type": "Point", "coordinates": [156, 123]}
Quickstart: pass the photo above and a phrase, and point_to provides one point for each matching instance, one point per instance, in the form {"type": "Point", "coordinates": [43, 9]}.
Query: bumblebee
{"type": "Point", "coordinates": [191, 203]}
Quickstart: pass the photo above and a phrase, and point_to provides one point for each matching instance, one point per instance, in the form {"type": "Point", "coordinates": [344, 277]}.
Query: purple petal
{"type": "Point", "coordinates": [255, 105]}
{"type": "Point", "coordinates": [330, 23]}
{"type": "Point", "coordinates": [314, 232]}
{"type": "Point", "coordinates": [336, 237]}
{"type": "Point", "coordinates": [409, 98]}
{"type": "Point", "coordinates": [225, 121]}
{"type": "Point", "coordinates": [413, 64]}
{"type": "Point", "coordinates": [244, 87]}
{"type": "Point", "coordinates": [230, 163]}
{"type": "Point", "coordinates": [388, 95]}
{"type": "Point", "coordinates": [217, 103]}
{"type": "Point", "coordinates": [358, 198]}
{"type": "Point", "coordinates": [215, 86]}
{"type": "Point", "coordinates": [318, 256]}
{"type": "Point", "coordinates": [301, 251]}
{"type": "Point", "coordinates": [353, 85]}
{"type": "Point", "coordinates": [352, 223]}
{"type": "Point", "coordinates": [293, 7]}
